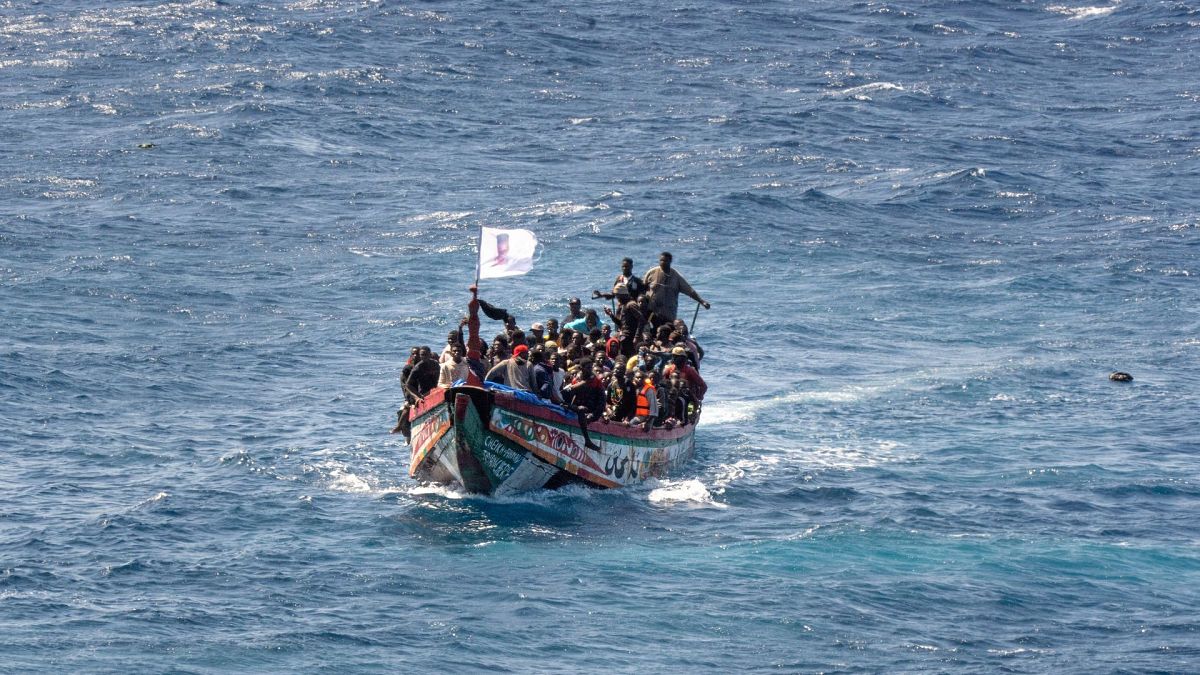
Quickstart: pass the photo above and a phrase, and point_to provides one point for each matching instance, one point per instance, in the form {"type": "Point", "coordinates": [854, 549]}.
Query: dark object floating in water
{"type": "Point", "coordinates": [145, 146]}
{"type": "Point", "coordinates": [1121, 377]}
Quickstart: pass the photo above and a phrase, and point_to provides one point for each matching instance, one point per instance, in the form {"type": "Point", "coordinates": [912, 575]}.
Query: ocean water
{"type": "Point", "coordinates": [928, 230]}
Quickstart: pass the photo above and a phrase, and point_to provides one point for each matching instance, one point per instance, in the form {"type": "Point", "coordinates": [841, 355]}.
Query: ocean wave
{"type": "Point", "coordinates": [861, 92]}
{"type": "Point", "coordinates": [1078, 13]}
{"type": "Point", "coordinates": [851, 457]}
{"type": "Point", "coordinates": [733, 411]}
{"type": "Point", "coordinates": [690, 491]}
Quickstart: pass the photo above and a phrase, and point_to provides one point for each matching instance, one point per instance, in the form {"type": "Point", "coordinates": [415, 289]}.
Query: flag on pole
{"type": "Point", "coordinates": [505, 253]}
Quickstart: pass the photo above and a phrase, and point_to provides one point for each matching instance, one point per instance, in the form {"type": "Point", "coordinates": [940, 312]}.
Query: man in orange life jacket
{"type": "Point", "coordinates": [646, 409]}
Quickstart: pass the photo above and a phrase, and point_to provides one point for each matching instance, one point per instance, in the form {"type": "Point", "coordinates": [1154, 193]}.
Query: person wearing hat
{"type": "Point", "coordinates": [513, 371]}
{"type": "Point", "coordinates": [679, 363]}
{"type": "Point", "coordinates": [537, 334]}
{"type": "Point", "coordinates": [576, 311]}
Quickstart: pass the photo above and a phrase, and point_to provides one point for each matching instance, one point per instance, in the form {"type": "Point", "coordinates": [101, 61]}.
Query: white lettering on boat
{"type": "Point", "coordinates": [499, 460]}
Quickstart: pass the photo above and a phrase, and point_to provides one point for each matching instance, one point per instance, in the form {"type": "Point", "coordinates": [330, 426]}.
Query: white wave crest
{"type": "Point", "coordinates": [340, 477]}
{"type": "Point", "coordinates": [728, 412]}
{"type": "Point", "coordinates": [153, 500]}
{"type": "Point", "coordinates": [727, 474]}
{"type": "Point", "coordinates": [557, 209]}
{"type": "Point", "coordinates": [1078, 13]}
{"type": "Point", "coordinates": [849, 458]}
{"type": "Point", "coordinates": [683, 492]}
{"type": "Point", "coordinates": [861, 92]}
{"type": "Point", "coordinates": [443, 217]}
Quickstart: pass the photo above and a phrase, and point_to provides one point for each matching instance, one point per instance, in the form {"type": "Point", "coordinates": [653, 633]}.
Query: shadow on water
{"type": "Point", "coordinates": [443, 517]}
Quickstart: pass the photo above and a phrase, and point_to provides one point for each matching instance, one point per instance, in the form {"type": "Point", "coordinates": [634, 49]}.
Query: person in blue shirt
{"type": "Point", "coordinates": [586, 324]}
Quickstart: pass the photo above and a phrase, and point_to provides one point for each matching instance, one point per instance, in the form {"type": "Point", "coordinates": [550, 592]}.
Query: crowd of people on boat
{"type": "Point", "coordinates": [637, 366]}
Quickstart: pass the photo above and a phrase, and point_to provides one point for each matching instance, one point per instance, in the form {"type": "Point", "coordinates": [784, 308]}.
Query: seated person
{"type": "Point", "coordinates": [646, 407]}
{"type": "Point", "coordinates": [679, 364]}
{"type": "Point", "coordinates": [542, 375]}
{"type": "Point", "coordinates": [454, 369]}
{"type": "Point", "coordinates": [513, 371]}
{"type": "Point", "coordinates": [424, 376]}
{"type": "Point", "coordinates": [585, 395]}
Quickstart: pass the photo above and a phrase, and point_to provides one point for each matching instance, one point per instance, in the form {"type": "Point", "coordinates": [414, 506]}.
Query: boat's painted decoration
{"type": "Point", "coordinates": [496, 440]}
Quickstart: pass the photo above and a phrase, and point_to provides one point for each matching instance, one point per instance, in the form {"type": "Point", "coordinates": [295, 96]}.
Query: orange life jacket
{"type": "Point", "coordinates": [643, 400]}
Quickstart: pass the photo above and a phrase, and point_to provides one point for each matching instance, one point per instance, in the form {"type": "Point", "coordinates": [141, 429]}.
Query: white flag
{"type": "Point", "coordinates": [505, 253]}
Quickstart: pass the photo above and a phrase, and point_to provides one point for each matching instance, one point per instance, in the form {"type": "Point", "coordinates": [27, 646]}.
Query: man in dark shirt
{"type": "Point", "coordinates": [585, 395]}
{"type": "Point", "coordinates": [424, 376]}
{"type": "Point", "coordinates": [630, 320]}
{"type": "Point", "coordinates": [402, 424]}
{"type": "Point", "coordinates": [576, 311]}
{"type": "Point", "coordinates": [543, 375]}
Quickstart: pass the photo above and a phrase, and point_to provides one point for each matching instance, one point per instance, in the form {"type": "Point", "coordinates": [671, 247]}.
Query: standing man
{"type": "Point", "coordinates": [663, 286]}
{"type": "Point", "coordinates": [629, 320]}
{"type": "Point", "coordinates": [625, 283]}
{"type": "Point", "coordinates": [634, 285]}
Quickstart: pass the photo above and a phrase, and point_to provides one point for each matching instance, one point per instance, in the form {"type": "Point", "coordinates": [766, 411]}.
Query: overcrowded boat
{"type": "Point", "coordinates": [543, 409]}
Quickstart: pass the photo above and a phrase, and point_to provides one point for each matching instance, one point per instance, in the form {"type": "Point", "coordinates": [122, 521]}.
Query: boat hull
{"type": "Point", "coordinates": [496, 440]}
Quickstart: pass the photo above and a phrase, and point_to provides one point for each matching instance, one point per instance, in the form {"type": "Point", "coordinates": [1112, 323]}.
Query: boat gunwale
{"type": "Point", "coordinates": [507, 401]}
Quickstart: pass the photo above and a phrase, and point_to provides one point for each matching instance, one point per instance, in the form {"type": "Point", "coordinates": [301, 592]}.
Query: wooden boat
{"type": "Point", "coordinates": [494, 440]}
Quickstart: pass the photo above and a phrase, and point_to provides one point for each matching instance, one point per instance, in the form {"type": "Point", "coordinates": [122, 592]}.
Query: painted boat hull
{"type": "Point", "coordinates": [496, 441]}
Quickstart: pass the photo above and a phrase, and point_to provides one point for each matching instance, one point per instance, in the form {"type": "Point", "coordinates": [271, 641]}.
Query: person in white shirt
{"type": "Point", "coordinates": [454, 369]}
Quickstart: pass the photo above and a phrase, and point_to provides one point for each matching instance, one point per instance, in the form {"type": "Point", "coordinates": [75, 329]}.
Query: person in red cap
{"type": "Point", "coordinates": [513, 371]}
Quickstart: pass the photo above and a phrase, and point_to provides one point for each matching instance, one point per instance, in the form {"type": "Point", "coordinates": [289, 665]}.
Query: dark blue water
{"type": "Point", "coordinates": [929, 231]}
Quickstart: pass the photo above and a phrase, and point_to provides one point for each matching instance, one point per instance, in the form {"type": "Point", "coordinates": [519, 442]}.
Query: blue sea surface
{"type": "Point", "coordinates": [929, 231]}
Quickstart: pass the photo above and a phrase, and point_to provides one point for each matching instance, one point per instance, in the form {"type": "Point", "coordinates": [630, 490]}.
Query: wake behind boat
{"type": "Point", "coordinates": [506, 425]}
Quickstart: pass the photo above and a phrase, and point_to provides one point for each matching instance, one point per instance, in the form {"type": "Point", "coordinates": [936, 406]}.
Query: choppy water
{"type": "Point", "coordinates": [929, 231]}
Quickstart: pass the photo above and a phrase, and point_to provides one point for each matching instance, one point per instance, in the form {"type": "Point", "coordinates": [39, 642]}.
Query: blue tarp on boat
{"type": "Point", "coordinates": [526, 397]}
